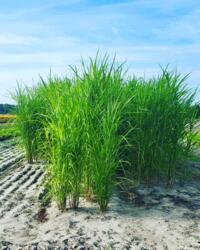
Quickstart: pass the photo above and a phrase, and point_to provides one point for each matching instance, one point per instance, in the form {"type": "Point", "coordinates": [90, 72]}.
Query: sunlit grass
{"type": "Point", "coordinates": [100, 124]}
{"type": "Point", "coordinates": [160, 117]}
{"type": "Point", "coordinates": [196, 139]}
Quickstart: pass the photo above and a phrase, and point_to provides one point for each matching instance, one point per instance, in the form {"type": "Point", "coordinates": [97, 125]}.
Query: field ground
{"type": "Point", "coordinates": [156, 218]}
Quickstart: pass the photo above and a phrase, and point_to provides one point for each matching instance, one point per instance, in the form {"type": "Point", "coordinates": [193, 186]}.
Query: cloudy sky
{"type": "Point", "coordinates": [36, 36]}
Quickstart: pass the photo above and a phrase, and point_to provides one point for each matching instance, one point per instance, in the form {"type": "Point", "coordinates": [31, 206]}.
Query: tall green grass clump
{"type": "Point", "coordinates": [103, 86]}
{"type": "Point", "coordinates": [160, 117]}
{"type": "Point", "coordinates": [99, 125]}
{"type": "Point", "coordinates": [28, 109]}
{"type": "Point", "coordinates": [64, 141]}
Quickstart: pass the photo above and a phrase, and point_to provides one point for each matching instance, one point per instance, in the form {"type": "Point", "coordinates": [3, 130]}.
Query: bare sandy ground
{"type": "Point", "coordinates": [156, 218]}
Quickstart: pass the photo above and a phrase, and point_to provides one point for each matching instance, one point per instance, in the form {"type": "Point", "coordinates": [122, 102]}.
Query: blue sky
{"type": "Point", "coordinates": [38, 35]}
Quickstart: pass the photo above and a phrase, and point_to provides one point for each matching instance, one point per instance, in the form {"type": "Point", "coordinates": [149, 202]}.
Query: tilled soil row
{"type": "Point", "coordinates": [10, 156]}
{"type": "Point", "coordinates": [16, 187]}
{"type": "Point", "coordinates": [18, 184]}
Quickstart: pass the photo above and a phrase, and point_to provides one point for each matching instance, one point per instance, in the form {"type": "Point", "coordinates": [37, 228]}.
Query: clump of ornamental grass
{"type": "Point", "coordinates": [64, 141]}
{"type": "Point", "coordinates": [159, 119]}
{"type": "Point", "coordinates": [103, 86]}
{"type": "Point", "coordinates": [27, 111]}
{"type": "Point", "coordinates": [99, 123]}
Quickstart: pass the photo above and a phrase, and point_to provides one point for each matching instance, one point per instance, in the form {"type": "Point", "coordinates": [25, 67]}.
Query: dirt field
{"type": "Point", "coordinates": [156, 218]}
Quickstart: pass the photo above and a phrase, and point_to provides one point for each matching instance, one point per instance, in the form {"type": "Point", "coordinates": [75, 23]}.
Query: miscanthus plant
{"type": "Point", "coordinates": [100, 123]}
{"type": "Point", "coordinates": [159, 117]}
{"type": "Point", "coordinates": [28, 109]}
{"type": "Point", "coordinates": [65, 138]}
{"type": "Point", "coordinates": [103, 87]}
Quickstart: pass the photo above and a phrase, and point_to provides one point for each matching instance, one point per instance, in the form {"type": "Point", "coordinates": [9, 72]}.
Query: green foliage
{"type": "Point", "coordinates": [99, 123]}
{"type": "Point", "coordinates": [64, 138]}
{"type": "Point", "coordinates": [102, 88]}
{"type": "Point", "coordinates": [30, 106]}
{"type": "Point", "coordinates": [196, 139]}
{"type": "Point", "coordinates": [7, 131]}
{"type": "Point", "coordinates": [160, 119]}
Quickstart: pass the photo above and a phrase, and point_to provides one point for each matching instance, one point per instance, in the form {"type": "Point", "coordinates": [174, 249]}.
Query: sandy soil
{"type": "Point", "coordinates": [156, 218]}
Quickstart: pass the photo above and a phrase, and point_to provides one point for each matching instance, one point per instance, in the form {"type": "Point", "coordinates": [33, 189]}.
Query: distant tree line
{"type": "Point", "coordinates": [6, 108]}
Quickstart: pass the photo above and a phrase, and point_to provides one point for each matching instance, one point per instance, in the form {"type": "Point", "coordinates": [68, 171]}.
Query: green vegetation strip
{"type": "Point", "coordinates": [7, 131]}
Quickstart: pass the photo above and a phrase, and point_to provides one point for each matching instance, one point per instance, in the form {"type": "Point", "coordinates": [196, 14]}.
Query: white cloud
{"type": "Point", "coordinates": [185, 27]}
{"type": "Point", "coordinates": [36, 41]}
{"type": "Point", "coordinates": [18, 40]}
